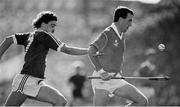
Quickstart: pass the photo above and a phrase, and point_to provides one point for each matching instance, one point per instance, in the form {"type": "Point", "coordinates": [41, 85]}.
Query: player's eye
{"type": "Point", "coordinates": [53, 25]}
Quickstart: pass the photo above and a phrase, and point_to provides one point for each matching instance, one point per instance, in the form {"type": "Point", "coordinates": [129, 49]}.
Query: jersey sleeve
{"type": "Point", "coordinates": [51, 42]}
{"type": "Point", "coordinates": [20, 38]}
{"type": "Point", "coordinates": [100, 41]}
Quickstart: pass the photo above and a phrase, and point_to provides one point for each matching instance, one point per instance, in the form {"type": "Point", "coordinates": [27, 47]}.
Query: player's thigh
{"type": "Point", "coordinates": [101, 97]}
{"type": "Point", "coordinates": [50, 95]}
{"type": "Point", "coordinates": [130, 92]}
{"type": "Point", "coordinates": [15, 99]}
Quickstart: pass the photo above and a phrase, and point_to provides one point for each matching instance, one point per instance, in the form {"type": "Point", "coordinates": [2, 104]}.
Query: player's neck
{"type": "Point", "coordinates": [41, 29]}
{"type": "Point", "coordinates": [118, 28]}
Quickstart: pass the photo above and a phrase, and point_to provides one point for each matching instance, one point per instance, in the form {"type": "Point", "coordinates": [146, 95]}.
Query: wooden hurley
{"type": "Point", "coordinates": [145, 78]}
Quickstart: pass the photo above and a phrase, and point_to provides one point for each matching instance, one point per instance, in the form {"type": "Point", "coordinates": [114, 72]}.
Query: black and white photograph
{"type": "Point", "coordinates": [94, 53]}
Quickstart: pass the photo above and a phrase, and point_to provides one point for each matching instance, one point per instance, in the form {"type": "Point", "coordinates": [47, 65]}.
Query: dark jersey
{"type": "Point", "coordinates": [37, 45]}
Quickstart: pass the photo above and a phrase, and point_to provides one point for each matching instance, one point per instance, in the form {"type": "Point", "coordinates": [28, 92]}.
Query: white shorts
{"type": "Point", "coordinates": [110, 85]}
{"type": "Point", "coordinates": [27, 84]}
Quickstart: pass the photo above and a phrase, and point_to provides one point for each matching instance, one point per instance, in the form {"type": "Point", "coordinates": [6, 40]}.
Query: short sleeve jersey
{"type": "Point", "coordinates": [37, 45]}
{"type": "Point", "coordinates": [110, 48]}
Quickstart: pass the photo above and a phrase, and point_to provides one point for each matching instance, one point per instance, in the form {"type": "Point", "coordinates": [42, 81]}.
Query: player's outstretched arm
{"type": "Point", "coordinates": [74, 50]}
{"type": "Point", "coordinates": [5, 45]}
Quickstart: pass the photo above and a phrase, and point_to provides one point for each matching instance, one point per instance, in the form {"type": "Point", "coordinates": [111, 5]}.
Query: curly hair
{"type": "Point", "coordinates": [121, 11]}
{"type": "Point", "coordinates": [45, 17]}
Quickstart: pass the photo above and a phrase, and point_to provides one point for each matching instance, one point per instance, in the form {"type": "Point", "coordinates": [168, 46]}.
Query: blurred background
{"type": "Point", "coordinates": [79, 23]}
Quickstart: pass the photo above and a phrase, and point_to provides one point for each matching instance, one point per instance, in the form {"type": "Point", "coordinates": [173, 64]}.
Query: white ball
{"type": "Point", "coordinates": [161, 47]}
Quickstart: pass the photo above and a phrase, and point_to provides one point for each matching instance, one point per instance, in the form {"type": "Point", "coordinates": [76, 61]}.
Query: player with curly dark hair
{"type": "Point", "coordinates": [29, 83]}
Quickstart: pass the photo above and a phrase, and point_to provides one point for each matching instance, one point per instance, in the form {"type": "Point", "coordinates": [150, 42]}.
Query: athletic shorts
{"type": "Point", "coordinates": [110, 85]}
{"type": "Point", "coordinates": [27, 84]}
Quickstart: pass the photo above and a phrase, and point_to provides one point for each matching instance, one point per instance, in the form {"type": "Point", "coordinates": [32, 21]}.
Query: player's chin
{"type": "Point", "coordinates": [52, 31]}
{"type": "Point", "coordinates": [126, 30]}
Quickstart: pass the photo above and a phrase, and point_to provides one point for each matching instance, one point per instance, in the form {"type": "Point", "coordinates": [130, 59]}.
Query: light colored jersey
{"type": "Point", "coordinates": [110, 50]}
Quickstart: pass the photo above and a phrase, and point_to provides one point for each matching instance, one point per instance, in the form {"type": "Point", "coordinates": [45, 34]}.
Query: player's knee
{"type": "Point", "coordinates": [60, 101]}
{"type": "Point", "coordinates": [64, 102]}
{"type": "Point", "coordinates": [143, 102]}
{"type": "Point", "coordinates": [146, 101]}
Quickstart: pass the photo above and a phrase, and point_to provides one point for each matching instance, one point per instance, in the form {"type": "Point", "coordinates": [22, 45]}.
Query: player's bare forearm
{"type": "Point", "coordinates": [91, 53]}
{"type": "Point", "coordinates": [74, 50]}
{"type": "Point", "coordinates": [5, 45]}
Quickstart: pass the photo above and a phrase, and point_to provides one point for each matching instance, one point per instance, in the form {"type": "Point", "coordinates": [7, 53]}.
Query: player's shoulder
{"type": "Point", "coordinates": [43, 34]}
{"type": "Point", "coordinates": [107, 32]}
{"type": "Point", "coordinates": [108, 29]}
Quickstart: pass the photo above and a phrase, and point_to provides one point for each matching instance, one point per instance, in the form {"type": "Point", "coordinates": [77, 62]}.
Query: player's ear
{"type": "Point", "coordinates": [43, 25]}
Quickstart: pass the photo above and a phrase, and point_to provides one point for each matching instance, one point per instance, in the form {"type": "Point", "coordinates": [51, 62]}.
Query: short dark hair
{"type": "Point", "coordinates": [122, 11]}
{"type": "Point", "coordinates": [45, 17]}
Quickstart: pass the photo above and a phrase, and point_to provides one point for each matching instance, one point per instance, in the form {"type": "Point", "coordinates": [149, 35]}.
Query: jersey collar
{"type": "Point", "coordinates": [115, 29]}
{"type": "Point", "coordinates": [43, 31]}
